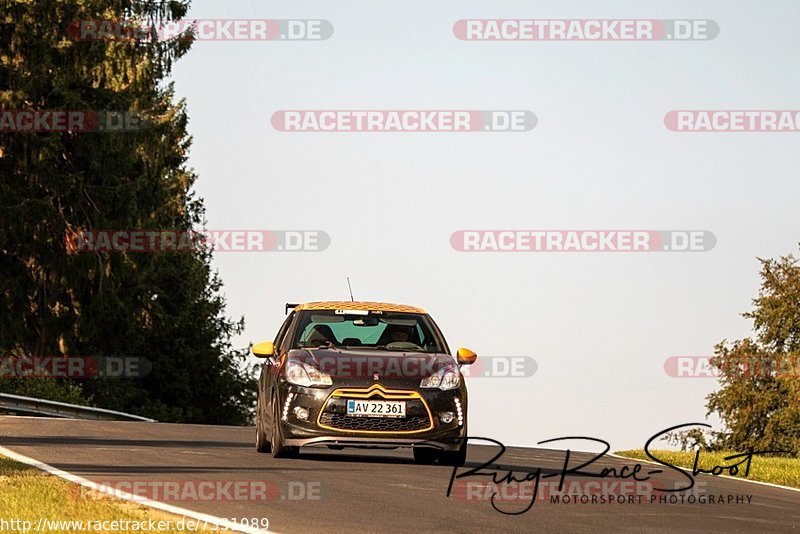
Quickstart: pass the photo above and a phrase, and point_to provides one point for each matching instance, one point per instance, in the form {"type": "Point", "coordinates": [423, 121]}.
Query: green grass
{"type": "Point", "coordinates": [774, 469]}
{"type": "Point", "coordinates": [28, 494]}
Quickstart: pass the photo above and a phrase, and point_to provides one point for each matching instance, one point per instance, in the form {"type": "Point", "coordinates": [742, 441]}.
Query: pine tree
{"type": "Point", "coordinates": [166, 307]}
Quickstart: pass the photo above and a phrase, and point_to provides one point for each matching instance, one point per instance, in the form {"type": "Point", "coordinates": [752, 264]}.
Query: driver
{"type": "Point", "coordinates": [395, 334]}
{"type": "Point", "coordinates": [399, 336]}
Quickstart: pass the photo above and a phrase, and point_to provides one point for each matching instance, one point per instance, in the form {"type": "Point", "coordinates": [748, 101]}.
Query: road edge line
{"type": "Point", "coordinates": [759, 482]}
{"type": "Point", "coordinates": [164, 507]}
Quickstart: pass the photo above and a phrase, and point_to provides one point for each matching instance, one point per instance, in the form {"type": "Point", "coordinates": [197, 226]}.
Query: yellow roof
{"type": "Point", "coordinates": [369, 306]}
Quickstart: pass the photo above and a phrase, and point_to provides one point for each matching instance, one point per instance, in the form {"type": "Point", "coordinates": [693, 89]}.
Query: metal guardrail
{"type": "Point", "coordinates": [18, 404]}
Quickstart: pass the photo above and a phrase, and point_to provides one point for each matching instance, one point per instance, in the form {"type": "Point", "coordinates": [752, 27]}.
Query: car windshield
{"type": "Point", "coordinates": [354, 329]}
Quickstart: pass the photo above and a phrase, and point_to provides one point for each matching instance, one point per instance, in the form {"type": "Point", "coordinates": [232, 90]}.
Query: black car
{"type": "Point", "coordinates": [362, 374]}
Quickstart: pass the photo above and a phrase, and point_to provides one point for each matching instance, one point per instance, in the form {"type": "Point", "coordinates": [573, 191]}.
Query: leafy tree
{"type": "Point", "coordinates": [759, 398]}
{"type": "Point", "coordinates": [691, 439]}
{"type": "Point", "coordinates": [166, 307]}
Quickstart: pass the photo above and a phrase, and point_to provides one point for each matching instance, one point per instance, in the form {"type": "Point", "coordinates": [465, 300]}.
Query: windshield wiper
{"type": "Point", "coordinates": [323, 345]}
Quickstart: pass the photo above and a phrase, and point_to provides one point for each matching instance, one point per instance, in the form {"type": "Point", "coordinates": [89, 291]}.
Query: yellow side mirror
{"type": "Point", "coordinates": [265, 349]}
{"type": "Point", "coordinates": [465, 356]}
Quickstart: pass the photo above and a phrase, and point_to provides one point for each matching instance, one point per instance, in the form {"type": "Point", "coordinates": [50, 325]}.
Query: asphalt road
{"type": "Point", "coordinates": [376, 491]}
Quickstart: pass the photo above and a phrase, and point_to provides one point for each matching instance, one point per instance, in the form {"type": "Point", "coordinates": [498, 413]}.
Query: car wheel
{"type": "Point", "coordinates": [455, 458]}
{"type": "Point", "coordinates": [262, 445]}
{"type": "Point", "coordinates": [279, 450]}
{"type": "Point", "coordinates": [424, 455]}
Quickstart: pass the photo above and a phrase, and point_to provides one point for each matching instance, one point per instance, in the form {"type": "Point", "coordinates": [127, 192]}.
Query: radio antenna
{"type": "Point", "coordinates": [351, 290]}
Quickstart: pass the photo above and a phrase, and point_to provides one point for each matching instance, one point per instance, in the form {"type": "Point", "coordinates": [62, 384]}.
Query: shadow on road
{"type": "Point", "coordinates": [88, 469]}
{"type": "Point", "coordinates": [374, 459]}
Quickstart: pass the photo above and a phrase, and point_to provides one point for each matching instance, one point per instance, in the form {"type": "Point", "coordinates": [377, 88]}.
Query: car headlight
{"type": "Point", "coordinates": [444, 379]}
{"type": "Point", "coordinates": [451, 380]}
{"type": "Point", "coordinates": [302, 374]}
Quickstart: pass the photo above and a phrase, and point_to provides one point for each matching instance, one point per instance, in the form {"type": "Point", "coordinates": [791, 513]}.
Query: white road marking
{"type": "Point", "coordinates": [208, 519]}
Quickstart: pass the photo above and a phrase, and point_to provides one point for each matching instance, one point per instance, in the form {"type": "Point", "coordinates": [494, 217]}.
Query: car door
{"type": "Point", "coordinates": [272, 367]}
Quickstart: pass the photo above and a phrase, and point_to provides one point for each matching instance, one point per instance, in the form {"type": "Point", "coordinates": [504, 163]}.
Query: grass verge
{"type": "Point", "coordinates": [773, 469]}
{"type": "Point", "coordinates": [27, 494]}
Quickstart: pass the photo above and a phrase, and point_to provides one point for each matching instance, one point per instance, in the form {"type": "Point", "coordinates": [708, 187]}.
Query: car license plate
{"type": "Point", "coordinates": [359, 408]}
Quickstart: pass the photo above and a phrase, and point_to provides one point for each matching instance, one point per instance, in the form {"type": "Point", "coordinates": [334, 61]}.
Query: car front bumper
{"type": "Point", "coordinates": [313, 432]}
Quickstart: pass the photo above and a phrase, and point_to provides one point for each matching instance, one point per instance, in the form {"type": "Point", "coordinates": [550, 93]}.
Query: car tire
{"type": "Point", "coordinates": [279, 450]}
{"type": "Point", "coordinates": [262, 444]}
{"type": "Point", "coordinates": [425, 455]}
{"type": "Point", "coordinates": [454, 458]}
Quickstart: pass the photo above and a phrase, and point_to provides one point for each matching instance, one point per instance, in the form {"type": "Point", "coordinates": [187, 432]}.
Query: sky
{"type": "Point", "coordinates": [599, 325]}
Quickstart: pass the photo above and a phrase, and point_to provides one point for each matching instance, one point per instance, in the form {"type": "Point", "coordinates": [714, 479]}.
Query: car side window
{"type": "Point", "coordinates": [286, 342]}
{"type": "Point", "coordinates": [282, 332]}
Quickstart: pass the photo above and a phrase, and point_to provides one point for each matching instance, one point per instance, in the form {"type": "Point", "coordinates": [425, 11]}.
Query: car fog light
{"type": "Point", "coordinates": [447, 417]}
{"type": "Point", "coordinates": [301, 413]}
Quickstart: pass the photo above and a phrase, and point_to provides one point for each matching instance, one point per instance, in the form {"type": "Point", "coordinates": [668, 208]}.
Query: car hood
{"type": "Point", "coordinates": [361, 367]}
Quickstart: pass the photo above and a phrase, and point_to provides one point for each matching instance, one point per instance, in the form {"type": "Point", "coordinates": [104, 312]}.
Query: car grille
{"type": "Point", "coordinates": [380, 424]}
{"type": "Point", "coordinates": [334, 411]}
